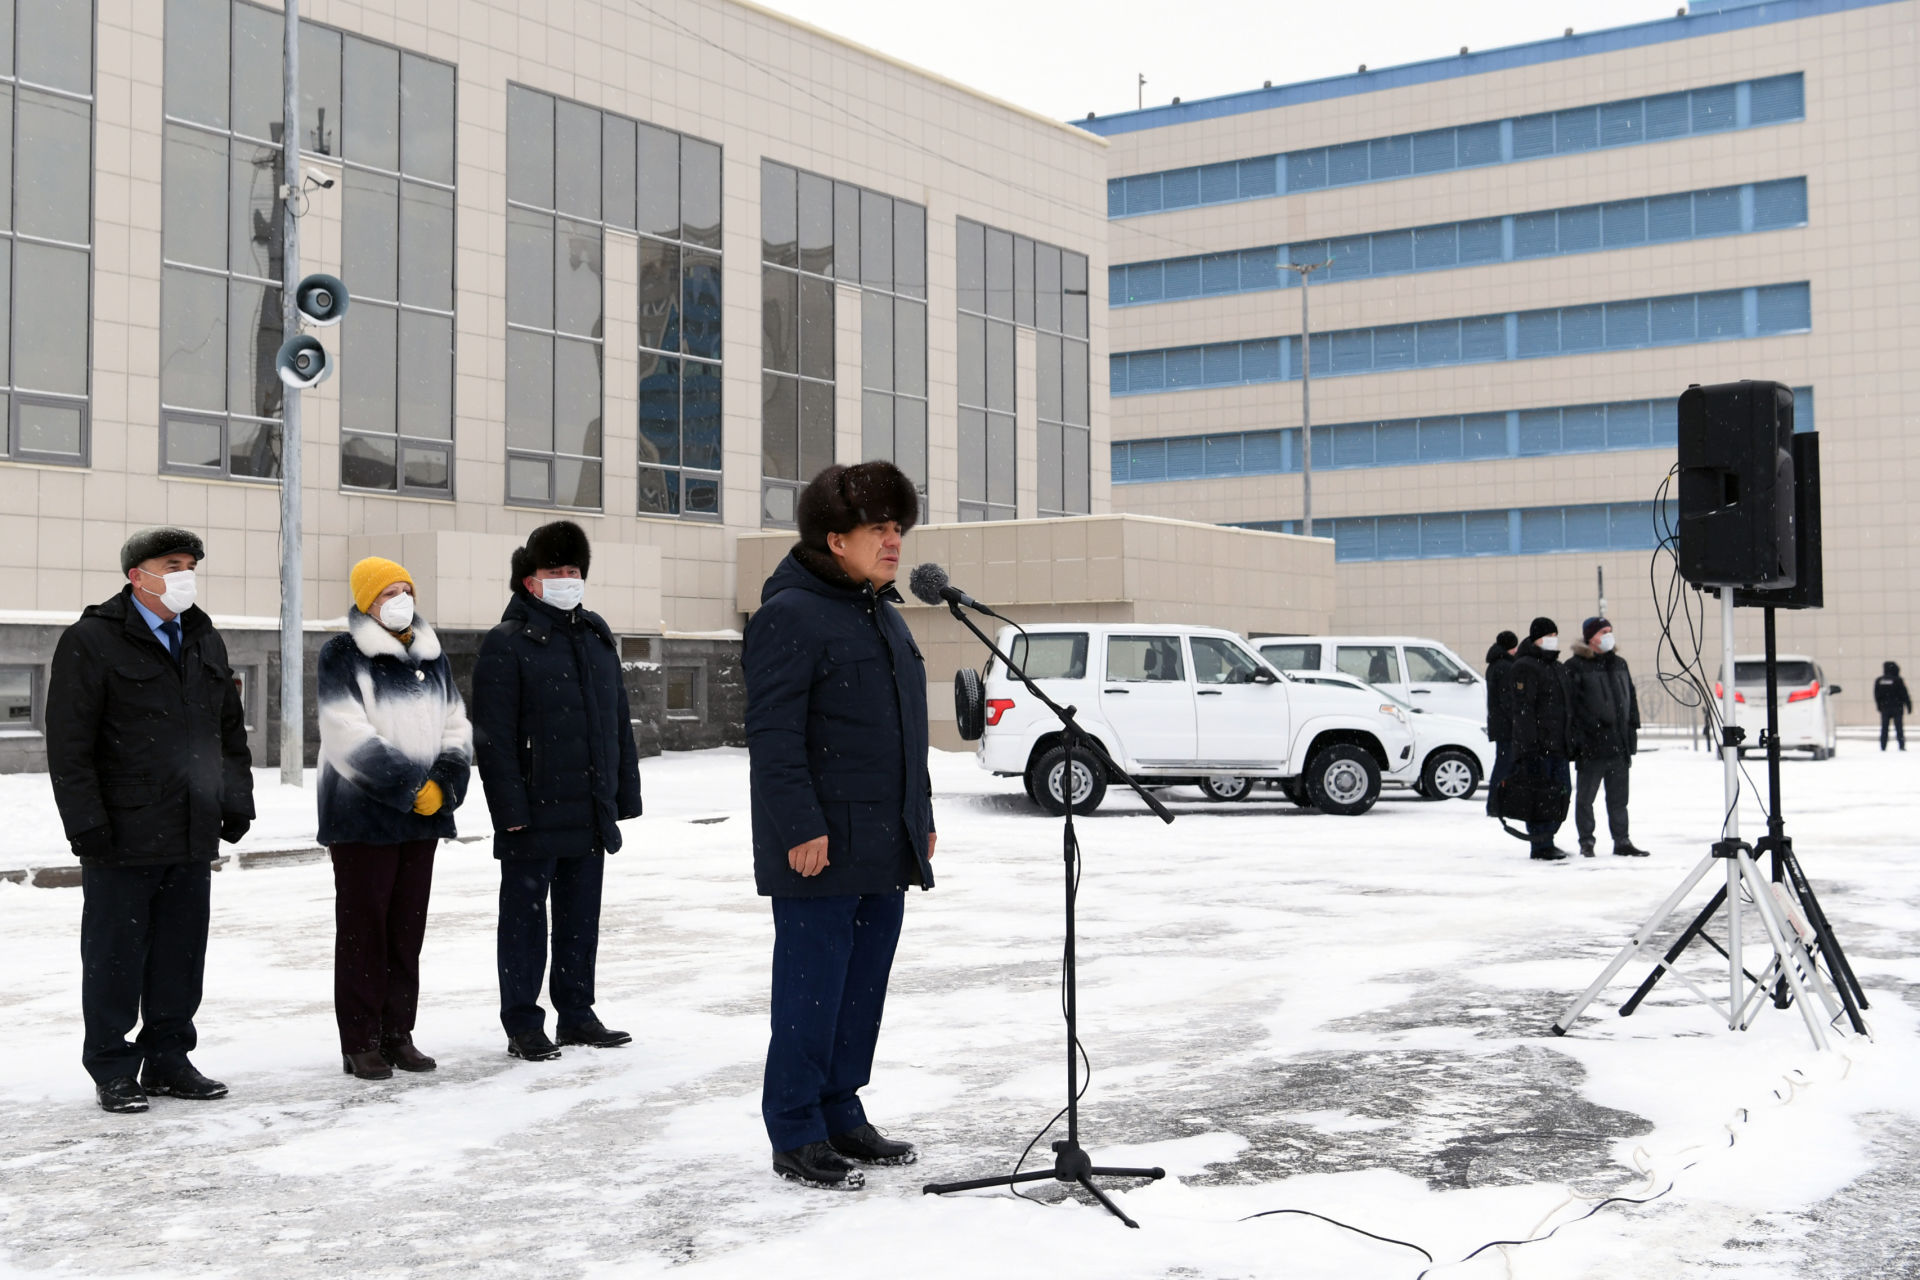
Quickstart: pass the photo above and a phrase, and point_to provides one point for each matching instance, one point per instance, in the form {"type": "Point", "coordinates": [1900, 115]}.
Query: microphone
{"type": "Point", "coordinates": [929, 585]}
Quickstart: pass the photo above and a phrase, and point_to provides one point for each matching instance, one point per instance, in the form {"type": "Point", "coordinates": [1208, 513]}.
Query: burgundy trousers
{"type": "Point", "coordinates": [380, 894]}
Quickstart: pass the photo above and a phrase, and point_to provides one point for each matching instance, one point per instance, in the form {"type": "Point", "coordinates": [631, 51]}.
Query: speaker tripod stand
{"type": "Point", "coordinates": [1796, 927]}
{"type": "Point", "coordinates": [1071, 1163]}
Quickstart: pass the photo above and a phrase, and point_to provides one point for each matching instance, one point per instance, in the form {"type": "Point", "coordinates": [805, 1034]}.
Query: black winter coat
{"type": "Point", "coordinates": [1539, 703]}
{"type": "Point", "coordinates": [836, 734]}
{"type": "Point", "coordinates": [1499, 694]}
{"type": "Point", "coordinates": [1890, 696]}
{"type": "Point", "coordinates": [151, 752]}
{"type": "Point", "coordinates": [1603, 711]}
{"type": "Point", "coordinates": [552, 732]}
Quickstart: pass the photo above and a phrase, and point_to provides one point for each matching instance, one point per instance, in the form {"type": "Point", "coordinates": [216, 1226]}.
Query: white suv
{"type": "Point", "coordinates": [1415, 670]}
{"type": "Point", "coordinates": [1177, 705]}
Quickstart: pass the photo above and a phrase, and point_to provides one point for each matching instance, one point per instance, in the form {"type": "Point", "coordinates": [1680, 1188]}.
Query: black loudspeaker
{"type": "Point", "coordinates": [1736, 485]}
{"type": "Point", "coordinates": [1809, 577]}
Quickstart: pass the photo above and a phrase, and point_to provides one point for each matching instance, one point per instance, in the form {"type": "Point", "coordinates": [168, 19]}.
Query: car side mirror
{"type": "Point", "coordinates": [1464, 678]}
{"type": "Point", "coordinates": [1267, 677]}
{"type": "Point", "coordinates": [1833, 690]}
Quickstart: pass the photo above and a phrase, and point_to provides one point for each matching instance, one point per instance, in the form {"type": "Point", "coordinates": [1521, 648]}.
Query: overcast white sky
{"type": "Point", "coordinates": [1065, 58]}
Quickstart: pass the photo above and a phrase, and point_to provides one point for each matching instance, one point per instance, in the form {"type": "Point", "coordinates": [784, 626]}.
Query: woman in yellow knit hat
{"type": "Point", "coordinates": [395, 751]}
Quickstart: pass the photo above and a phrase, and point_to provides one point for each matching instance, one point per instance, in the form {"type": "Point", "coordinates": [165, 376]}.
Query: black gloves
{"type": "Point", "coordinates": [96, 843]}
{"type": "Point", "coordinates": [233, 826]}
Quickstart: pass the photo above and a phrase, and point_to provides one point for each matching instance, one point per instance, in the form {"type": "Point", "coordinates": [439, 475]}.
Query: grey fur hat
{"type": "Point", "coordinates": [151, 544]}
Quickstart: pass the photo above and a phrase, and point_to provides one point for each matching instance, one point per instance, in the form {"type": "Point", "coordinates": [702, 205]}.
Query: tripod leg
{"type": "Point", "coordinates": [1101, 1196]}
{"type": "Point", "coordinates": [977, 1184]}
{"type": "Point", "coordinates": [1634, 943]}
{"type": "Point", "coordinates": [1851, 994]}
{"type": "Point", "coordinates": [1680, 944]}
{"type": "Point", "coordinates": [1099, 1171]}
{"type": "Point", "coordinates": [1788, 952]}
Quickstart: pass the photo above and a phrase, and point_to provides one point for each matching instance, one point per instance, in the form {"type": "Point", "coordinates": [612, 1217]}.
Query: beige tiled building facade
{"type": "Point", "coordinates": [1532, 252]}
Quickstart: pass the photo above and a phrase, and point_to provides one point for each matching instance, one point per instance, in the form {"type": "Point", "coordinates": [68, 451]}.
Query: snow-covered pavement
{"type": "Point", "coordinates": [1286, 1010]}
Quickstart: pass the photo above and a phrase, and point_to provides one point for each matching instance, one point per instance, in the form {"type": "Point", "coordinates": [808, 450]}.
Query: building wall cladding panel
{"type": "Point", "coordinates": [1862, 79]}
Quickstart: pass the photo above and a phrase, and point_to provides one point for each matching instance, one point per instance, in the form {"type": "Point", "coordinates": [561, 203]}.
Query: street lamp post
{"type": "Point", "coordinates": [293, 713]}
{"type": "Point", "coordinates": [1306, 270]}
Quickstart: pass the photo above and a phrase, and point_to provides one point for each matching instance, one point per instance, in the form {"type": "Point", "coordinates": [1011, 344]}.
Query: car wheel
{"type": "Point", "coordinates": [1450, 774]}
{"type": "Point", "coordinates": [1295, 789]}
{"type": "Point", "coordinates": [1049, 782]}
{"type": "Point", "coordinates": [1226, 786]}
{"type": "Point", "coordinates": [1343, 779]}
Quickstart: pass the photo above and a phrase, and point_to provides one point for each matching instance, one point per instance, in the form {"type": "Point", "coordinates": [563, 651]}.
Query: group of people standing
{"type": "Point", "coordinates": [148, 757]}
{"type": "Point", "coordinates": [1550, 719]}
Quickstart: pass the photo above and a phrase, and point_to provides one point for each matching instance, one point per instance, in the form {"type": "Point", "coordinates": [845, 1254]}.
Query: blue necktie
{"type": "Point", "coordinates": [171, 628]}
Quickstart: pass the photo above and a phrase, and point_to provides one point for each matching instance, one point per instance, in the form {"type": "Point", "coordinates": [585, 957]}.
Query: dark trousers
{"type": "Point", "coordinates": [1591, 775]}
{"type": "Point", "coordinates": [380, 896]}
{"type": "Point", "coordinates": [1549, 769]}
{"type": "Point", "coordinates": [143, 950]}
{"type": "Point", "coordinates": [1892, 719]}
{"type": "Point", "coordinates": [831, 959]}
{"type": "Point", "coordinates": [1502, 765]}
{"type": "Point", "coordinates": [525, 886]}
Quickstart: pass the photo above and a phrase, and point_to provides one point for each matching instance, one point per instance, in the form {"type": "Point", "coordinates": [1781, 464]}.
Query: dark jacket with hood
{"type": "Point", "coordinates": [1499, 694]}
{"type": "Point", "coordinates": [1890, 691]}
{"type": "Point", "coordinates": [391, 721]}
{"type": "Point", "coordinates": [1539, 702]}
{"type": "Point", "coordinates": [1603, 711]}
{"type": "Point", "coordinates": [147, 756]}
{"type": "Point", "coordinates": [552, 732]}
{"type": "Point", "coordinates": [837, 733]}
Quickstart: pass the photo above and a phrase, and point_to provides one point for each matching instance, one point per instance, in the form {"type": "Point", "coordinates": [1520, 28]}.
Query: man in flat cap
{"type": "Point", "coordinates": [147, 751]}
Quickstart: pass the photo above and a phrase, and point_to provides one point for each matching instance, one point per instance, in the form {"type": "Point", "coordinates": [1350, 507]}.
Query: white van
{"type": "Point", "coordinates": [1176, 705]}
{"type": "Point", "coordinates": [1416, 670]}
{"type": "Point", "coordinates": [1806, 716]}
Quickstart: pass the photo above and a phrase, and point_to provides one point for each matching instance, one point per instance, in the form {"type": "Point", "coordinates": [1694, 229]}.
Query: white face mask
{"type": "Point", "coordinates": [180, 589]}
{"type": "Point", "coordinates": [397, 613]}
{"type": "Point", "coordinates": [563, 593]}
{"type": "Point", "coordinates": [1550, 643]}
{"type": "Point", "coordinates": [1605, 643]}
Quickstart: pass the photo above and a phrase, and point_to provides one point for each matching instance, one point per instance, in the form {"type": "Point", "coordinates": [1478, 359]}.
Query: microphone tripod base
{"type": "Point", "coordinates": [1071, 1164]}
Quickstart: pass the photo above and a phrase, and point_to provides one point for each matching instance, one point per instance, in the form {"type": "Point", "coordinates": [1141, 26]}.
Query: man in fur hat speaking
{"type": "Point", "coordinates": [553, 737]}
{"type": "Point", "coordinates": [842, 811]}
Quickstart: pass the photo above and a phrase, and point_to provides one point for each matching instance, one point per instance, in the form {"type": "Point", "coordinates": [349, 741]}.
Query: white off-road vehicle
{"type": "Point", "coordinates": [1176, 705]}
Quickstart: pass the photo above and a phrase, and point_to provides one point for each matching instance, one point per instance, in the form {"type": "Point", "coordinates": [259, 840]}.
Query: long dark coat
{"type": "Point", "coordinates": [836, 734]}
{"type": "Point", "coordinates": [152, 751]}
{"type": "Point", "coordinates": [552, 732]}
{"type": "Point", "coordinates": [1603, 711]}
{"type": "Point", "coordinates": [1499, 694]}
{"type": "Point", "coordinates": [1539, 704]}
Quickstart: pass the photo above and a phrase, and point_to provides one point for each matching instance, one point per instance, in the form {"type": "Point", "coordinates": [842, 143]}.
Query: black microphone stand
{"type": "Point", "coordinates": [1071, 1163]}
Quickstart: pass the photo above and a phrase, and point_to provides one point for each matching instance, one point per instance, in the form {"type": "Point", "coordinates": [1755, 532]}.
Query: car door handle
{"type": "Point", "coordinates": [1423, 691]}
{"type": "Point", "coordinates": [1116, 691]}
{"type": "Point", "coordinates": [1210, 693]}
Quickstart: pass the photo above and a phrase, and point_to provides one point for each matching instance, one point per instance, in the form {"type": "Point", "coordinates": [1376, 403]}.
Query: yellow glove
{"type": "Point", "coordinates": [429, 800]}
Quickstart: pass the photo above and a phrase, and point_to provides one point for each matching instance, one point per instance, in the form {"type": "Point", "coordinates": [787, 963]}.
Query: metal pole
{"type": "Point", "coordinates": [293, 714]}
{"type": "Point", "coordinates": [1730, 783]}
{"type": "Point", "coordinates": [1306, 270]}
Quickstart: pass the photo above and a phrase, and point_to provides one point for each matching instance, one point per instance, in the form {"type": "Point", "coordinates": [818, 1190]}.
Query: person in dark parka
{"type": "Point", "coordinates": [553, 736]}
{"type": "Point", "coordinates": [1500, 713]}
{"type": "Point", "coordinates": [1539, 711]}
{"type": "Point", "coordinates": [1891, 700]}
{"type": "Point", "coordinates": [147, 753]}
{"type": "Point", "coordinates": [842, 810]}
{"type": "Point", "coordinates": [1603, 734]}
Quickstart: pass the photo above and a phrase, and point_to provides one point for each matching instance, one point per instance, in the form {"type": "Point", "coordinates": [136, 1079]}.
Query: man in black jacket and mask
{"type": "Point", "coordinates": [842, 811]}
{"type": "Point", "coordinates": [1539, 709]}
{"type": "Point", "coordinates": [1500, 713]}
{"type": "Point", "coordinates": [1603, 730]}
{"type": "Point", "coordinates": [147, 752]}
{"type": "Point", "coordinates": [553, 737]}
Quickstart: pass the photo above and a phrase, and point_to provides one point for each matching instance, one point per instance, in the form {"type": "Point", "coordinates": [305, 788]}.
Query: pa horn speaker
{"type": "Point", "coordinates": [302, 362]}
{"type": "Point", "coordinates": [321, 299]}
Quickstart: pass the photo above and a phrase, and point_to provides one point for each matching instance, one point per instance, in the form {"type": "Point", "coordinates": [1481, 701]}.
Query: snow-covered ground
{"type": "Point", "coordinates": [1286, 1010]}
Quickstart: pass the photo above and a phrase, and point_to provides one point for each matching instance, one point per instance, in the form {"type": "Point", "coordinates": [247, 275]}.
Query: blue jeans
{"type": "Point", "coordinates": [831, 960]}
{"type": "Point", "coordinates": [525, 886]}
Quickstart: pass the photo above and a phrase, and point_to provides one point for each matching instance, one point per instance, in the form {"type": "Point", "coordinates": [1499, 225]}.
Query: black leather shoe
{"type": "Point", "coordinates": [1551, 853]}
{"type": "Point", "coordinates": [818, 1165]}
{"type": "Point", "coordinates": [1586, 848]}
{"type": "Point", "coordinates": [869, 1146]}
{"type": "Point", "coordinates": [180, 1080]}
{"type": "Point", "coordinates": [122, 1095]}
{"type": "Point", "coordinates": [532, 1046]}
{"type": "Point", "coordinates": [368, 1066]}
{"type": "Point", "coordinates": [594, 1035]}
{"type": "Point", "coordinates": [400, 1052]}
{"type": "Point", "coordinates": [1628, 849]}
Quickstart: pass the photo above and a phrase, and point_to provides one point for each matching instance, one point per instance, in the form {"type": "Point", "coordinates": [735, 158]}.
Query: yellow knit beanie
{"type": "Point", "coordinates": [372, 576]}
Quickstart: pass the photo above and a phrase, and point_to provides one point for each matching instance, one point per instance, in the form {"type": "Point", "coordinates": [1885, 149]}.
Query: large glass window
{"type": "Point", "coordinates": [46, 228]}
{"type": "Point", "coordinates": [1008, 282]}
{"type": "Point", "coordinates": [816, 233]}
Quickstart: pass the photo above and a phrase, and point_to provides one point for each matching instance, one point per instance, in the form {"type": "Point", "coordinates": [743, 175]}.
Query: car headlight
{"type": "Point", "coordinates": [1390, 709]}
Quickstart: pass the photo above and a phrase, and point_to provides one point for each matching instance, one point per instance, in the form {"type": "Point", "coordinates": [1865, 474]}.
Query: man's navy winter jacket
{"type": "Point", "coordinates": [391, 721]}
{"type": "Point", "coordinates": [552, 732]}
{"type": "Point", "coordinates": [836, 733]}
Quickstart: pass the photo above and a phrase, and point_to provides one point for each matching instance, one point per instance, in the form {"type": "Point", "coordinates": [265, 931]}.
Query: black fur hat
{"type": "Point", "coordinates": [150, 544]}
{"type": "Point", "coordinates": [549, 547]}
{"type": "Point", "coordinates": [841, 498]}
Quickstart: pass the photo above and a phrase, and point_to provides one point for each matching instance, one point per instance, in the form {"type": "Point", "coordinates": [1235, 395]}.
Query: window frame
{"type": "Point", "coordinates": [36, 725]}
